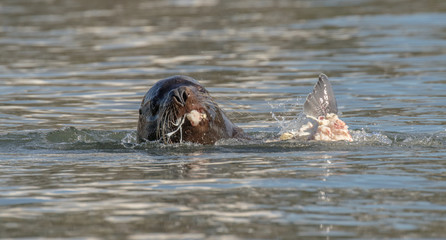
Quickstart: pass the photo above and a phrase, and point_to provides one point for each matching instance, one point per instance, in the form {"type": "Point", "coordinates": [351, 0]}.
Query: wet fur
{"type": "Point", "coordinates": [162, 116]}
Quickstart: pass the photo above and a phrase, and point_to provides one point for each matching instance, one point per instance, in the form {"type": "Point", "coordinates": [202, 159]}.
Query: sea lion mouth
{"type": "Point", "coordinates": [185, 109]}
{"type": "Point", "coordinates": [170, 128]}
{"type": "Point", "coordinates": [195, 117]}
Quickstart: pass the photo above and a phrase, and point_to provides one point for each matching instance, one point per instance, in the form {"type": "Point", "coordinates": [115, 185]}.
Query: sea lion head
{"type": "Point", "coordinates": [179, 109]}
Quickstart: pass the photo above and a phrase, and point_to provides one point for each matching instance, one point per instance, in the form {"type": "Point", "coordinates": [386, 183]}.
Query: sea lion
{"type": "Point", "coordinates": [178, 109]}
{"type": "Point", "coordinates": [322, 122]}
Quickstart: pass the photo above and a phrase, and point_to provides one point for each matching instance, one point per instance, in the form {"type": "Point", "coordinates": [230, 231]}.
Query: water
{"type": "Point", "coordinates": [72, 75]}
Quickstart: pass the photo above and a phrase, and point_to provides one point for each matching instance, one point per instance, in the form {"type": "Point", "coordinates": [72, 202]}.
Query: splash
{"type": "Point", "coordinates": [362, 136]}
{"type": "Point", "coordinates": [284, 113]}
{"type": "Point", "coordinates": [302, 127]}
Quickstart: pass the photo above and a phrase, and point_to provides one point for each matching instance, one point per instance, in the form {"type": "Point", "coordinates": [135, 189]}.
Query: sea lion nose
{"type": "Point", "coordinates": [180, 95]}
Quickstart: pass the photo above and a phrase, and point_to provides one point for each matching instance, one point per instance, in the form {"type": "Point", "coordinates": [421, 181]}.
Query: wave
{"type": "Point", "coordinates": [71, 138]}
{"type": "Point", "coordinates": [68, 138]}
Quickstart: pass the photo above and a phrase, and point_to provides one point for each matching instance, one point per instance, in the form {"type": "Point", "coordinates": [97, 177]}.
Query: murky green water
{"type": "Point", "coordinates": [72, 75]}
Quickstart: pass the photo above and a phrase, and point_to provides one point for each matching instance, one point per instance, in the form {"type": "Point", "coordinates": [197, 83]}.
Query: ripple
{"type": "Point", "coordinates": [73, 75]}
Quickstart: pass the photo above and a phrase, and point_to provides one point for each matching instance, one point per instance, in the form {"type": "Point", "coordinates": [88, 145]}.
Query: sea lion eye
{"type": "Point", "coordinates": [154, 108]}
{"type": "Point", "coordinates": [201, 89]}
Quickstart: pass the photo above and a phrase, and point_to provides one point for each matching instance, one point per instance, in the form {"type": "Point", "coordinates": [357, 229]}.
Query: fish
{"type": "Point", "coordinates": [321, 122]}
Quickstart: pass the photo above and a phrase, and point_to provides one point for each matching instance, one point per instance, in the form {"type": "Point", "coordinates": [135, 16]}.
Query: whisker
{"type": "Point", "coordinates": [169, 124]}
{"type": "Point", "coordinates": [180, 125]}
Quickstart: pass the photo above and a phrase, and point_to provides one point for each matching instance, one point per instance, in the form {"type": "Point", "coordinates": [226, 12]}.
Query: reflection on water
{"type": "Point", "coordinates": [72, 75]}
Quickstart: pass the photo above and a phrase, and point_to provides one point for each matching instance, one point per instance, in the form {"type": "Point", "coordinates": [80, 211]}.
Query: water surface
{"type": "Point", "coordinates": [72, 75]}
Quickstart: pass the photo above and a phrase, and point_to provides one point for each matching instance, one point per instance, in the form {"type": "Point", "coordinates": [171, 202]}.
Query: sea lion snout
{"type": "Point", "coordinates": [187, 99]}
{"type": "Point", "coordinates": [188, 104]}
{"type": "Point", "coordinates": [180, 95]}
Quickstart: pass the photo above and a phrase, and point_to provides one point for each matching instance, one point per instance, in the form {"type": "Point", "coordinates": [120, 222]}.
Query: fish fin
{"type": "Point", "coordinates": [321, 101]}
